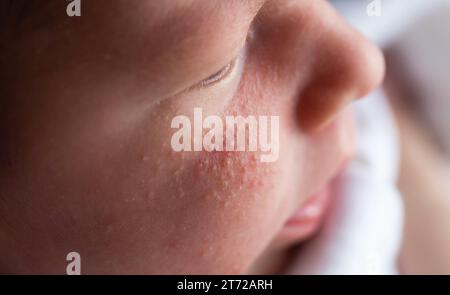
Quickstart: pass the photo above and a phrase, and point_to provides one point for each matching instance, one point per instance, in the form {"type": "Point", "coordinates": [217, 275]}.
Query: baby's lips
{"type": "Point", "coordinates": [305, 221]}
{"type": "Point", "coordinates": [312, 210]}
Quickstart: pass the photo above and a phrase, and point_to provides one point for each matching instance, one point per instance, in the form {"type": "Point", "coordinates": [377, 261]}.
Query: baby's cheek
{"type": "Point", "coordinates": [232, 205]}
{"type": "Point", "coordinates": [229, 175]}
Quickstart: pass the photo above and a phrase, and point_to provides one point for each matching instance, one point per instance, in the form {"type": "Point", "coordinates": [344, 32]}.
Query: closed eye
{"type": "Point", "coordinates": [217, 76]}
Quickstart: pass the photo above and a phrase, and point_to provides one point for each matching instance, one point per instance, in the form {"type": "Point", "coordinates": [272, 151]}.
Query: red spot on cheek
{"type": "Point", "coordinates": [230, 176]}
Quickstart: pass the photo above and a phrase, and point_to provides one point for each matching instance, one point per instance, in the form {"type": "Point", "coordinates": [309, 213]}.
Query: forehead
{"type": "Point", "coordinates": [249, 5]}
{"type": "Point", "coordinates": [204, 10]}
{"type": "Point", "coordinates": [154, 10]}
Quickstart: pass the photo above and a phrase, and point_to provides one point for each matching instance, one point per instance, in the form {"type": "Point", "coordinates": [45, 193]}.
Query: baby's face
{"type": "Point", "coordinates": [86, 118]}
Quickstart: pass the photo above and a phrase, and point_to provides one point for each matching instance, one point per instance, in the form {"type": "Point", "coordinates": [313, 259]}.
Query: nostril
{"type": "Point", "coordinates": [319, 105]}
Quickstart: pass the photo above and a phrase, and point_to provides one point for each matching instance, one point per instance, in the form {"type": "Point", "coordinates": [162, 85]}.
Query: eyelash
{"type": "Point", "coordinates": [219, 75]}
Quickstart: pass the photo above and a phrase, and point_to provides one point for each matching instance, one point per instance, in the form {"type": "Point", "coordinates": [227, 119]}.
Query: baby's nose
{"type": "Point", "coordinates": [346, 67]}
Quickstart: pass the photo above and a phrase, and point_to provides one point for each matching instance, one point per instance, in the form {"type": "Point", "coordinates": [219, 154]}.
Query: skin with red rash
{"type": "Point", "coordinates": [87, 104]}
